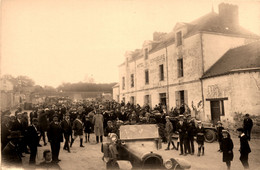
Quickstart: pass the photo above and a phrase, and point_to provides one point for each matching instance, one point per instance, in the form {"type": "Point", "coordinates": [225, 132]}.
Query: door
{"type": "Point", "coordinates": [215, 111]}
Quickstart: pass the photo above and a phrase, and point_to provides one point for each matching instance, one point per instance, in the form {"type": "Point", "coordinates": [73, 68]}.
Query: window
{"type": "Point", "coordinates": [180, 67]}
{"type": "Point", "coordinates": [161, 72]}
{"type": "Point", "coordinates": [123, 83]}
{"type": "Point", "coordinates": [163, 98]}
{"type": "Point", "coordinates": [146, 99]}
{"type": "Point", "coordinates": [132, 80]}
{"type": "Point", "coordinates": [146, 77]}
{"type": "Point", "coordinates": [179, 38]}
{"type": "Point", "coordinates": [146, 53]}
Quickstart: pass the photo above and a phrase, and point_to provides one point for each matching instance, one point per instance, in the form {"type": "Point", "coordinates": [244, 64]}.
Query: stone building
{"type": "Point", "coordinates": [172, 68]}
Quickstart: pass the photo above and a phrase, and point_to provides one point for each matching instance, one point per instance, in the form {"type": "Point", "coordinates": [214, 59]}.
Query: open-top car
{"type": "Point", "coordinates": [137, 147]}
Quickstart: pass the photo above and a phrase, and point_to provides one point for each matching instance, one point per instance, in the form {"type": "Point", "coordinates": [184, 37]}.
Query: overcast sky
{"type": "Point", "coordinates": [55, 41]}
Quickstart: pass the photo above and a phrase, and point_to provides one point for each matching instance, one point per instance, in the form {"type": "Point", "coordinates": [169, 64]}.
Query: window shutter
{"type": "Point", "coordinates": [177, 98]}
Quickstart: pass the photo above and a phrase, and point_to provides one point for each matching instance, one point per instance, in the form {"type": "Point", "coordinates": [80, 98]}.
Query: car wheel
{"type": "Point", "coordinates": [210, 136]}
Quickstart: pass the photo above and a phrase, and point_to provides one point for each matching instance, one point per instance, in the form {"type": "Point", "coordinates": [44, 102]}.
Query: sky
{"type": "Point", "coordinates": [58, 41]}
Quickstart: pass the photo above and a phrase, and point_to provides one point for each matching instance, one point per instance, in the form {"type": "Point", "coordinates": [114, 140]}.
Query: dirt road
{"type": "Point", "coordinates": [89, 157]}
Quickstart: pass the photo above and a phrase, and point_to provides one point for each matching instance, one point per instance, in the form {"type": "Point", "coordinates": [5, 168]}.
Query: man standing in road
{"type": "Point", "coordinates": [247, 125]}
{"type": "Point", "coordinates": [244, 148]}
{"type": "Point", "coordinates": [98, 121]}
{"type": "Point", "coordinates": [54, 134]}
{"type": "Point", "coordinates": [33, 140]}
{"type": "Point", "coordinates": [67, 131]}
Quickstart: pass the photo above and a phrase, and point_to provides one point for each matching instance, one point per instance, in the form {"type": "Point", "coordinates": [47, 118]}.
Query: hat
{"type": "Point", "coordinates": [34, 120]}
{"type": "Point", "coordinates": [198, 121]}
{"type": "Point", "coordinates": [46, 109]}
{"type": "Point", "coordinates": [14, 135]}
{"type": "Point", "coordinates": [181, 116]}
{"type": "Point", "coordinates": [167, 117]}
{"type": "Point", "coordinates": [224, 131]}
{"type": "Point", "coordinates": [247, 115]}
{"type": "Point", "coordinates": [240, 129]}
{"type": "Point", "coordinates": [55, 115]}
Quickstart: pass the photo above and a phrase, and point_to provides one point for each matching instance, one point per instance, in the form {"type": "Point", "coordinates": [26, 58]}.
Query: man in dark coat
{"type": "Point", "coordinates": [33, 140]}
{"type": "Point", "coordinates": [10, 154]}
{"type": "Point", "coordinates": [5, 131]}
{"type": "Point", "coordinates": [227, 148]}
{"type": "Point", "coordinates": [54, 134]}
{"type": "Point", "coordinates": [244, 148]}
{"type": "Point", "coordinates": [191, 128]}
{"type": "Point", "coordinates": [247, 125]}
{"type": "Point", "coordinates": [67, 131]}
{"type": "Point", "coordinates": [183, 134]}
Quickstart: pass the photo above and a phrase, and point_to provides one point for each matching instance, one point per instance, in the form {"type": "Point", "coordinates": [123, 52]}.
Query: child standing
{"type": "Point", "coordinates": [227, 148]}
{"type": "Point", "coordinates": [200, 138]}
{"type": "Point", "coordinates": [87, 128]}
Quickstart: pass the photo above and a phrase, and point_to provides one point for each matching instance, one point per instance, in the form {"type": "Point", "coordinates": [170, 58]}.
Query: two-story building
{"type": "Point", "coordinates": [171, 68]}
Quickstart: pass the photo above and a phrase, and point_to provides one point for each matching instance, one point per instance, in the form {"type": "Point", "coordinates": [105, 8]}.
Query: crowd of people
{"type": "Point", "coordinates": [21, 132]}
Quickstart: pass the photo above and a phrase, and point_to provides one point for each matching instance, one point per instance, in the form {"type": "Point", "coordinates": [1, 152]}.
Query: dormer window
{"type": "Point", "coordinates": [179, 38]}
{"type": "Point", "coordinates": [146, 53]}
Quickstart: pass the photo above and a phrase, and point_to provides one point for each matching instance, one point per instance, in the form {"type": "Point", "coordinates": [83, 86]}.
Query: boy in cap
{"type": "Point", "coordinates": [244, 148]}
{"type": "Point", "coordinates": [67, 131]}
{"type": "Point", "coordinates": [200, 137]}
{"type": "Point", "coordinates": [219, 132]}
{"type": "Point", "coordinates": [227, 148]}
{"type": "Point", "coordinates": [48, 163]}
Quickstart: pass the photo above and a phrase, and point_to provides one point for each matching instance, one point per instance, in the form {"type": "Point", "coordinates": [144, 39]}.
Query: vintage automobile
{"type": "Point", "coordinates": [137, 147]}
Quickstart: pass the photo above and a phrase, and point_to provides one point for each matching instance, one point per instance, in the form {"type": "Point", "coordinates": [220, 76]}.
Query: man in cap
{"type": "Point", "coordinates": [247, 125]}
{"type": "Point", "coordinates": [244, 148]}
{"type": "Point", "coordinates": [227, 148]}
{"type": "Point", "coordinates": [54, 134]}
{"type": "Point", "coordinates": [33, 139]}
{"type": "Point", "coordinates": [67, 131]}
{"type": "Point", "coordinates": [10, 154]}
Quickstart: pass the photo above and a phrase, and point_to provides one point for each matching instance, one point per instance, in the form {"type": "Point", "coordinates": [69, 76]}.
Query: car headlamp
{"type": "Point", "coordinates": [168, 164]}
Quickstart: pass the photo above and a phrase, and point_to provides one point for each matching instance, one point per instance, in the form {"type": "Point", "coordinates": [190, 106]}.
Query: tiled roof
{"type": "Point", "coordinates": [210, 22]}
{"type": "Point", "coordinates": [242, 58]}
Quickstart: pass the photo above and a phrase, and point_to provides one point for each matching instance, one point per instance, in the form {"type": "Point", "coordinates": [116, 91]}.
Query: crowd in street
{"type": "Point", "coordinates": [21, 132]}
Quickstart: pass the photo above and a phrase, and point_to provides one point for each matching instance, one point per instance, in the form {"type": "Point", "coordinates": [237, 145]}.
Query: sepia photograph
{"type": "Point", "coordinates": [130, 84]}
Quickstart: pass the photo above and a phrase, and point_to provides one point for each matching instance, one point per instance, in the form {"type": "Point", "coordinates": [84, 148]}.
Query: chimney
{"type": "Point", "coordinates": [228, 14]}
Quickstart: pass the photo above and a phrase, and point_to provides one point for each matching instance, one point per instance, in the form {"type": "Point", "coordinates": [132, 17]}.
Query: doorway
{"type": "Point", "coordinates": [215, 111]}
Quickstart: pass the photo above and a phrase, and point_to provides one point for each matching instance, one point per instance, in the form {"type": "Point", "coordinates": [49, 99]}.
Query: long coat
{"type": "Point", "coordinates": [77, 127]}
{"type": "Point", "coordinates": [98, 124]}
{"type": "Point", "coordinates": [32, 135]}
{"type": "Point", "coordinates": [226, 146]}
{"type": "Point", "coordinates": [244, 146]}
{"type": "Point", "coordinates": [43, 122]}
